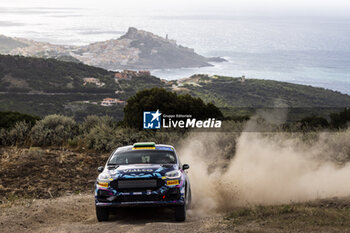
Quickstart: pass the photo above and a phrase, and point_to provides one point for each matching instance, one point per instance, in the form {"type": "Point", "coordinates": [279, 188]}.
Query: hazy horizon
{"type": "Point", "coordinates": [269, 6]}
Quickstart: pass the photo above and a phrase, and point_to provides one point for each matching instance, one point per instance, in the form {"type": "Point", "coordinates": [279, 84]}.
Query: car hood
{"type": "Point", "coordinates": [141, 170]}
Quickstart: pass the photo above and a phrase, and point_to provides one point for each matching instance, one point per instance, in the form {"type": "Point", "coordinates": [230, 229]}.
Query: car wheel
{"type": "Point", "coordinates": [189, 200]}
{"type": "Point", "coordinates": [102, 213]}
{"type": "Point", "coordinates": [180, 213]}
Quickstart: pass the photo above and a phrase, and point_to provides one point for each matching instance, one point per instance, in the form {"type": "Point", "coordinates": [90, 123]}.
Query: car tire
{"type": "Point", "coordinates": [102, 213]}
{"type": "Point", "coordinates": [189, 200]}
{"type": "Point", "coordinates": [180, 213]}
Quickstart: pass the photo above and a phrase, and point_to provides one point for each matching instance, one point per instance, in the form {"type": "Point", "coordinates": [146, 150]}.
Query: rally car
{"type": "Point", "coordinates": [144, 174]}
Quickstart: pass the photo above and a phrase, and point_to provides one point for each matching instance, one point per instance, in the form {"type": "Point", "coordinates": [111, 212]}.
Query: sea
{"type": "Point", "coordinates": [311, 50]}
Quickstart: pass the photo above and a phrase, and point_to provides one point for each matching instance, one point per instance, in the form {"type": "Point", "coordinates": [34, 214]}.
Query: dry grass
{"type": "Point", "coordinates": [331, 215]}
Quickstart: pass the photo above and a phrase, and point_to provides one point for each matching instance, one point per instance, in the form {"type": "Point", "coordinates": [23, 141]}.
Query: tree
{"type": "Point", "coordinates": [341, 119]}
{"type": "Point", "coordinates": [9, 119]}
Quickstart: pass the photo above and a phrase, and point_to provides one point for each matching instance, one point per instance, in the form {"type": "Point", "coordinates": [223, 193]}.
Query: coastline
{"type": "Point", "coordinates": [227, 69]}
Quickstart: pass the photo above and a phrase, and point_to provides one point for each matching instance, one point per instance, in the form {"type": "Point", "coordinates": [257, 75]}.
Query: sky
{"type": "Point", "coordinates": [282, 6]}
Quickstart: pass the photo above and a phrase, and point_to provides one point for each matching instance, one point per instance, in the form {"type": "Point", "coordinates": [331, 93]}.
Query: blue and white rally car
{"type": "Point", "coordinates": [145, 174]}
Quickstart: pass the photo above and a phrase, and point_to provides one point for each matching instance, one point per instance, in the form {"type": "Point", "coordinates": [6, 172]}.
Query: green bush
{"type": "Point", "coordinates": [16, 136]}
{"type": "Point", "coordinates": [100, 138]}
{"type": "Point", "coordinates": [3, 136]}
{"type": "Point", "coordinates": [53, 130]}
{"type": "Point", "coordinates": [102, 134]}
{"type": "Point", "coordinates": [106, 136]}
{"type": "Point", "coordinates": [98, 133]}
{"type": "Point", "coordinates": [314, 122]}
{"type": "Point", "coordinates": [93, 121]}
{"type": "Point", "coordinates": [9, 119]}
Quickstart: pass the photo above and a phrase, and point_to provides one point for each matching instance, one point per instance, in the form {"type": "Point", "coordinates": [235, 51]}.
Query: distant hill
{"type": "Point", "coordinates": [45, 86]}
{"type": "Point", "coordinates": [137, 49]}
{"type": "Point", "coordinates": [37, 75]}
{"type": "Point", "coordinates": [237, 96]}
{"type": "Point", "coordinates": [238, 92]}
{"type": "Point", "coordinates": [7, 44]}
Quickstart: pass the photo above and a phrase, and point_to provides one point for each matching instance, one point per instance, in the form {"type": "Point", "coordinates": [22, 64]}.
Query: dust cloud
{"type": "Point", "coordinates": [265, 168]}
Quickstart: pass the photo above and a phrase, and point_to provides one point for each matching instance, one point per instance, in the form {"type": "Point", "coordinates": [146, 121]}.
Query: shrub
{"type": "Point", "coordinates": [93, 121]}
{"type": "Point", "coordinates": [3, 137]}
{"type": "Point", "coordinates": [104, 137]}
{"type": "Point", "coordinates": [314, 122]}
{"type": "Point", "coordinates": [100, 138]}
{"type": "Point", "coordinates": [102, 134]}
{"type": "Point", "coordinates": [341, 119]}
{"type": "Point", "coordinates": [17, 135]}
{"type": "Point", "coordinates": [53, 130]}
{"type": "Point", "coordinates": [98, 133]}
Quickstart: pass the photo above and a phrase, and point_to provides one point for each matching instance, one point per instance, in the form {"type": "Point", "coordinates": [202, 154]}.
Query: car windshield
{"type": "Point", "coordinates": [143, 157]}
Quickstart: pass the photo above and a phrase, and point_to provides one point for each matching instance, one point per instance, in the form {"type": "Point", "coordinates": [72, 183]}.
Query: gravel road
{"type": "Point", "coordinates": [77, 214]}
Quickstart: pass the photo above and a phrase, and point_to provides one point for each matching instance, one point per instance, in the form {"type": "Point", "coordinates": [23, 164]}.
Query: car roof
{"type": "Point", "coordinates": [158, 147]}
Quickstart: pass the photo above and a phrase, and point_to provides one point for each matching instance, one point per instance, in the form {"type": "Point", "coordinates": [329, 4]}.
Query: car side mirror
{"type": "Point", "coordinates": [185, 167]}
{"type": "Point", "coordinates": [100, 169]}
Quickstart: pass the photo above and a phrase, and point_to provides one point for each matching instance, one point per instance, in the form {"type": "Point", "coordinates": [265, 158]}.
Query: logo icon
{"type": "Point", "coordinates": [151, 120]}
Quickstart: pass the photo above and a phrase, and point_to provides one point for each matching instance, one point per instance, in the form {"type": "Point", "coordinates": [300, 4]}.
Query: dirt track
{"type": "Point", "coordinates": [77, 214]}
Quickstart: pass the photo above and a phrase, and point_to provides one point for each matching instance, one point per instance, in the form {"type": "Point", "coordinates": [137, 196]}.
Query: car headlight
{"type": "Point", "coordinates": [173, 174]}
{"type": "Point", "coordinates": [103, 184]}
{"type": "Point", "coordinates": [104, 177]}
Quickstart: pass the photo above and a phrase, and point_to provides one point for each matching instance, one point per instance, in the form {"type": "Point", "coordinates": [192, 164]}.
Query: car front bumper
{"type": "Point", "coordinates": [163, 196]}
{"type": "Point", "coordinates": [141, 204]}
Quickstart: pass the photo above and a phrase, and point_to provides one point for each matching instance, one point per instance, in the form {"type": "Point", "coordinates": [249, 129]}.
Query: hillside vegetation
{"type": "Point", "coordinates": [46, 86]}
{"type": "Point", "coordinates": [20, 74]}
{"type": "Point", "coordinates": [229, 92]}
